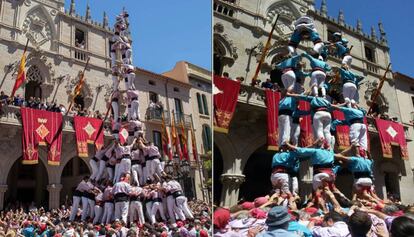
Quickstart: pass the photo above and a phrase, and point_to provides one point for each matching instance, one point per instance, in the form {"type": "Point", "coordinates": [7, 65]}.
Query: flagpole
{"type": "Point", "coordinates": [80, 80]}
{"type": "Point", "coordinates": [264, 52]}
{"type": "Point", "coordinates": [378, 90]}
{"type": "Point", "coordinates": [198, 161]}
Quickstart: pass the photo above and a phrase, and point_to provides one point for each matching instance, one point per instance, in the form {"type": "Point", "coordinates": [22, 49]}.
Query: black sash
{"type": "Point", "coordinates": [77, 193]}
{"type": "Point", "coordinates": [285, 112]}
{"type": "Point", "coordinates": [356, 120]}
{"type": "Point", "coordinates": [177, 194]}
{"type": "Point", "coordinates": [121, 197]}
{"type": "Point", "coordinates": [358, 175]}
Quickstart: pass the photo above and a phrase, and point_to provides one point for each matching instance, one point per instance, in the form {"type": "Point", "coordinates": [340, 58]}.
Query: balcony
{"type": "Point", "coordinates": [372, 67]}
{"type": "Point", "coordinates": [155, 115]}
{"type": "Point", "coordinates": [10, 115]}
{"type": "Point", "coordinates": [187, 119]}
{"type": "Point", "coordinates": [80, 55]}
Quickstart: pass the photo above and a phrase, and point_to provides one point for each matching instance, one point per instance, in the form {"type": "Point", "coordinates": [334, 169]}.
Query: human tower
{"type": "Point", "coordinates": [128, 182]}
{"type": "Point", "coordinates": [325, 162]}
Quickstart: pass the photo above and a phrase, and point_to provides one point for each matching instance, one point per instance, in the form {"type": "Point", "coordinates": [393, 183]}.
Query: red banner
{"type": "Point", "coordinates": [306, 132]}
{"type": "Point", "coordinates": [41, 128]}
{"type": "Point", "coordinates": [272, 103]}
{"type": "Point", "coordinates": [342, 131]}
{"type": "Point", "coordinates": [226, 93]}
{"type": "Point", "coordinates": [391, 133]}
{"type": "Point", "coordinates": [86, 131]}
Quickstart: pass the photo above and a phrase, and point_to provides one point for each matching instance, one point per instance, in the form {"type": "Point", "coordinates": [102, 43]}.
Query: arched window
{"type": "Point", "coordinates": [205, 104]}
{"type": "Point", "coordinates": [206, 137]}
{"type": "Point", "coordinates": [34, 78]}
{"type": "Point", "coordinates": [200, 104]}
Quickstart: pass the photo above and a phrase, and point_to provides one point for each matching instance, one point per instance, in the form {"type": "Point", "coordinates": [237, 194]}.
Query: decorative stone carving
{"type": "Point", "coordinates": [284, 26]}
{"type": "Point", "coordinates": [37, 28]}
{"type": "Point", "coordinates": [381, 99]}
{"type": "Point", "coordinates": [234, 180]}
{"type": "Point", "coordinates": [223, 46]}
{"type": "Point", "coordinates": [218, 28]}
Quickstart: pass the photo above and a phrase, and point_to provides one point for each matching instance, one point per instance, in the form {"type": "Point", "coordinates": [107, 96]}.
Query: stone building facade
{"type": "Point", "coordinates": [241, 28]}
{"type": "Point", "coordinates": [60, 41]}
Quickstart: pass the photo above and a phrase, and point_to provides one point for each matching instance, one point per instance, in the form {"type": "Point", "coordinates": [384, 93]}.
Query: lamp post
{"type": "Point", "coordinates": [177, 168]}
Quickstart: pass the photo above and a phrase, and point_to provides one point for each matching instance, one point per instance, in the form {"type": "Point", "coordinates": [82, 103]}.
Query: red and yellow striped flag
{"type": "Point", "coordinates": [184, 140]}
{"type": "Point", "coordinates": [193, 142]}
{"type": "Point", "coordinates": [21, 75]}
{"type": "Point", "coordinates": [165, 139]}
{"type": "Point", "coordinates": [174, 138]}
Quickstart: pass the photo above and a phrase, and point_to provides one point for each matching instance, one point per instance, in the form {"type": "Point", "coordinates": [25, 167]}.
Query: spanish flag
{"type": "Point", "coordinates": [21, 75]}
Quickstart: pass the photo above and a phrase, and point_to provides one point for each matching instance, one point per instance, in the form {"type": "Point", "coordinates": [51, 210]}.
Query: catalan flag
{"type": "Point", "coordinates": [184, 141]}
{"type": "Point", "coordinates": [175, 139]}
{"type": "Point", "coordinates": [193, 141]}
{"type": "Point", "coordinates": [165, 139]}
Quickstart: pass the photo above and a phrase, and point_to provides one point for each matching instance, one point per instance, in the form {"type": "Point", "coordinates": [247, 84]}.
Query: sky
{"type": "Point", "coordinates": [163, 31]}
{"type": "Point", "coordinates": [396, 18]}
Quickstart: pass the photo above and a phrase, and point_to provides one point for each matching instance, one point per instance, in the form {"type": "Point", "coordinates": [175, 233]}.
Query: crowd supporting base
{"type": "Point", "coordinates": [326, 212]}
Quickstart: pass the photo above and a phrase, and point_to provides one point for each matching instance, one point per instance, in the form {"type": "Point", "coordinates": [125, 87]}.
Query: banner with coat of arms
{"type": "Point", "coordinates": [272, 103]}
{"type": "Point", "coordinates": [342, 131]}
{"type": "Point", "coordinates": [391, 133]}
{"type": "Point", "coordinates": [41, 128]}
{"type": "Point", "coordinates": [86, 131]}
{"type": "Point", "coordinates": [225, 94]}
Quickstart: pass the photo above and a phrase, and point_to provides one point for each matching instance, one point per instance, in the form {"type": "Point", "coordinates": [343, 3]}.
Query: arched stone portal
{"type": "Point", "coordinates": [27, 183]}
{"type": "Point", "coordinates": [73, 172]}
{"type": "Point", "coordinates": [257, 183]}
{"type": "Point", "coordinates": [218, 170]}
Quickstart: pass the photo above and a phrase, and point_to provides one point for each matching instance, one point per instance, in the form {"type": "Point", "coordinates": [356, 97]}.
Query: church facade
{"type": "Point", "coordinates": [59, 43]}
{"type": "Point", "coordinates": [241, 29]}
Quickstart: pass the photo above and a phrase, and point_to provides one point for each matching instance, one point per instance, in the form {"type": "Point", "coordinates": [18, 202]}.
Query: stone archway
{"type": "Point", "coordinates": [257, 184]}
{"type": "Point", "coordinates": [72, 172]}
{"type": "Point", "coordinates": [225, 53]}
{"type": "Point", "coordinates": [27, 183]}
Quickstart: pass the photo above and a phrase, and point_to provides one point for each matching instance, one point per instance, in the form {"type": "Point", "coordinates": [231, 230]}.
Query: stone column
{"type": "Point", "coordinates": [3, 189]}
{"type": "Point", "coordinates": [230, 190]}
{"type": "Point", "coordinates": [54, 195]}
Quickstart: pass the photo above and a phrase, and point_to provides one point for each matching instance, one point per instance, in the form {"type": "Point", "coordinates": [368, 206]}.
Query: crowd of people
{"type": "Point", "coordinates": [326, 212]}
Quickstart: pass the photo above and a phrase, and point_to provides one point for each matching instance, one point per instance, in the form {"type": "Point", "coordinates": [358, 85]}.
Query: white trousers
{"type": "Point", "coordinates": [157, 207]}
{"type": "Point", "coordinates": [101, 168]}
{"type": "Point", "coordinates": [95, 169]}
{"type": "Point", "coordinates": [130, 84]}
{"type": "Point", "coordinates": [358, 135]}
{"type": "Point", "coordinates": [87, 208]}
{"type": "Point", "coordinates": [136, 171]}
{"type": "Point", "coordinates": [292, 50]}
{"type": "Point", "coordinates": [285, 124]}
{"type": "Point", "coordinates": [318, 82]}
{"type": "Point", "coordinates": [98, 214]}
{"type": "Point", "coordinates": [110, 172]}
{"type": "Point", "coordinates": [182, 208]}
{"type": "Point", "coordinates": [318, 47]}
{"type": "Point", "coordinates": [289, 79]}
{"type": "Point", "coordinates": [171, 208]}
{"type": "Point", "coordinates": [280, 181]}
{"type": "Point", "coordinates": [108, 215]}
{"type": "Point", "coordinates": [135, 110]}
{"type": "Point", "coordinates": [322, 125]}
{"type": "Point", "coordinates": [115, 83]}
{"type": "Point", "coordinates": [122, 168]}
{"type": "Point", "coordinates": [75, 206]}
{"type": "Point", "coordinates": [148, 208]}
{"type": "Point", "coordinates": [295, 184]}
{"type": "Point", "coordinates": [115, 109]}
{"type": "Point", "coordinates": [121, 211]}
{"type": "Point", "coordinates": [136, 212]}
{"type": "Point", "coordinates": [347, 60]}
{"type": "Point", "coordinates": [349, 91]}
{"type": "Point", "coordinates": [154, 167]}
{"type": "Point", "coordinates": [295, 133]}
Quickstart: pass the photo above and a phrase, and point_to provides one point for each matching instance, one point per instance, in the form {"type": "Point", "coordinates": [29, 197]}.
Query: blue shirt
{"type": "Point", "coordinates": [277, 233]}
{"type": "Point", "coordinates": [316, 102]}
{"type": "Point", "coordinates": [348, 76]}
{"type": "Point", "coordinates": [288, 103]}
{"type": "Point", "coordinates": [359, 164]}
{"type": "Point", "coordinates": [341, 49]}
{"type": "Point", "coordinates": [317, 156]}
{"type": "Point", "coordinates": [291, 62]}
{"type": "Point", "coordinates": [300, 229]}
{"type": "Point", "coordinates": [28, 231]}
{"type": "Point", "coordinates": [286, 159]}
{"type": "Point", "coordinates": [351, 114]}
{"type": "Point", "coordinates": [316, 63]}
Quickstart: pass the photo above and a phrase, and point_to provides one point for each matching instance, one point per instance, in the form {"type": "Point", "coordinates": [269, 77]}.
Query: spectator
{"type": "Point", "coordinates": [359, 224]}
{"type": "Point", "coordinates": [402, 227]}
{"type": "Point", "coordinates": [267, 84]}
{"type": "Point", "coordinates": [277, 221]}
{"type": "Point", "coordinates": [333, 225]}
